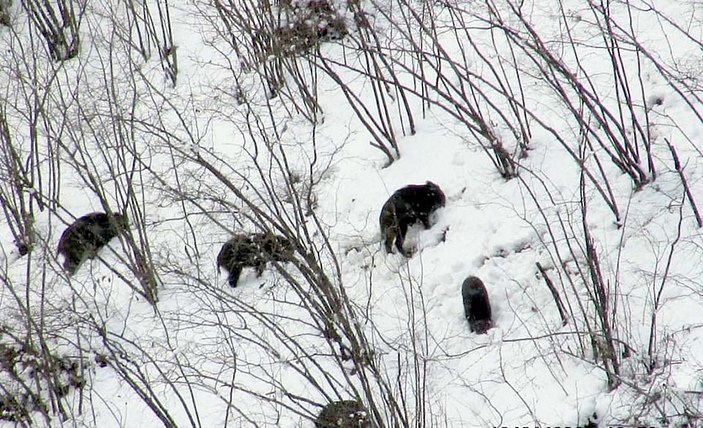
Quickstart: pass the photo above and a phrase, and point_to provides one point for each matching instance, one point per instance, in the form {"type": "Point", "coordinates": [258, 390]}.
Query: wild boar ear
{"type": "Point", "coordinates": [123, 218]}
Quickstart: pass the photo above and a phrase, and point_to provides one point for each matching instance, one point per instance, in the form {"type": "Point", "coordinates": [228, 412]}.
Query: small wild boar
{"type": "Point", "coordinates": [477, 308]}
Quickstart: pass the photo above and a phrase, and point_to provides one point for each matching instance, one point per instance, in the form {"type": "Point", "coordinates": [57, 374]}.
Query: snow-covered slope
{"type": "Point", "coordinates": [576, 95]}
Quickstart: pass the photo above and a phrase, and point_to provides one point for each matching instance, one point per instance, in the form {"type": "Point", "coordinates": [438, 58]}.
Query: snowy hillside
{"type": "Point", "coordinates": [566, 137]}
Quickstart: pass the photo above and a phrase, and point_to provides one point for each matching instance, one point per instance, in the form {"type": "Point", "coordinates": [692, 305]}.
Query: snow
{"type": "Point", "coordinates": [256, 355]}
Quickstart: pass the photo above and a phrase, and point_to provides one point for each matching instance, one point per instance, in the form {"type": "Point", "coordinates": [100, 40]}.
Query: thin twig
{"type": "Point", "coordinates": [555, 294]}
{"type": "Point", "coordinates": [689, 195]}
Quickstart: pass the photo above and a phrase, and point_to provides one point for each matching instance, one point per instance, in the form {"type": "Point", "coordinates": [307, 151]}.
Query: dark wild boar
{"type": "Point", "coordinates": [253, 250]}
{"type": "Point", "coordinates": [83, 239]}
{"type": "Point", "coordinates": [343, 414]}
{"type": "Point", "coordinates": [408, 205]}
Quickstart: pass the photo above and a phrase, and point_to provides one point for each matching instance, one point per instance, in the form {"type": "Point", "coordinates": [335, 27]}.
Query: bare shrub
{"type": "Point", "coordinates": [59, 25]}
{"type": "Point", "coordinates": [270, 37]}
{"type": "Point", "coordinates": [5, 17]}
{"type": "Point", "coordinates": [146, 27]}
{"type": "Point", "coordinates": [36, 381]}
{"type": "Point", "coordinates": [18, 207]}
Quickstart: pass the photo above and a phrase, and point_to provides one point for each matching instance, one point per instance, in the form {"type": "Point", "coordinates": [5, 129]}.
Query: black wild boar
{"type": "Point", "coordinates": [412, 203]}
{"type": "Point", "coordinates": [253, 250]}
{"type": "Point", "coordinates": [343, 414]}
{"type": "Point", "coordinates": [82, 239]}
{"type": "Point", "coordinates": [477, 308]}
